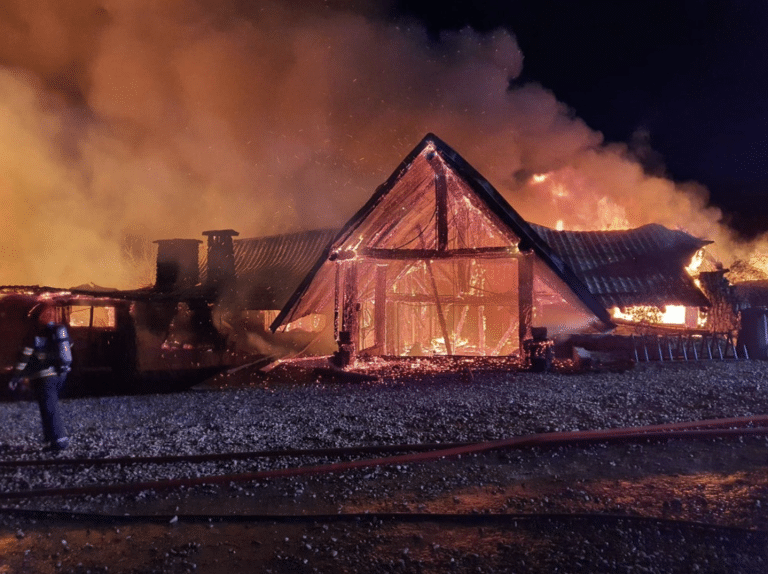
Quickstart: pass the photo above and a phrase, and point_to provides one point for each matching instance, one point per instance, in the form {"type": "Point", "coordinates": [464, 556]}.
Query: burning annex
{"type": "Point", "coordinates": [435, 264]}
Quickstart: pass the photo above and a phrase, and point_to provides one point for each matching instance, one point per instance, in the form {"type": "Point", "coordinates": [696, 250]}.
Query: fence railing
{"type": "Point", "coordinates": [688, 347]}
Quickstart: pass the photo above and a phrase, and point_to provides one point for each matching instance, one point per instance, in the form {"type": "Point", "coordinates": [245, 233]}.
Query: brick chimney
{"type": "Point", "coordinates": [177, 264]}
{"type": "Point", "coordinates": [221, 258]}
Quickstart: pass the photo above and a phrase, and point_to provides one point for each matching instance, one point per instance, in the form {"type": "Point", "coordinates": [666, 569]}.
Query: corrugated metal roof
{"type": "Point", "coordinates": [269, 268]}
{"type": "Point", "coordinates": [293, 253]}
{"type": "Point", "coordinates": [643, 266]}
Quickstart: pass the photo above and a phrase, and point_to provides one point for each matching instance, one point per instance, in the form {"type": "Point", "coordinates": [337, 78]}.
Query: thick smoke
{"type": "Point", "coordinates": [122, 122]}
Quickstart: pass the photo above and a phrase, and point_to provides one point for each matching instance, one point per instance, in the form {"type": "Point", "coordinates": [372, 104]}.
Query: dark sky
{"type": "Point", "coordinates": [687, 77]}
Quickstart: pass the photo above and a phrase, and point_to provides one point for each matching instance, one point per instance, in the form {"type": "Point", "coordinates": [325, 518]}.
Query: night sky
{"type": "Point", "coordinates": [683, 82]}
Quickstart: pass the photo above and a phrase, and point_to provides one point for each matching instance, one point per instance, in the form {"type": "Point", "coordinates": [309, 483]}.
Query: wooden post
{"type": "Point", "coordinates": [481, 329]}
{"type": "Point", "coordinates": [349, 317]}
{"type": "Point", "coordinates": [525, 295]}
{"type": "Point", "coordinates": [392, 335]}
{"type": "Point", "coordinates": [460, 326]}
{"type": "Point", "coordinates": [337, 303]}
{"type": "Point", "coordinates": [380, 309]}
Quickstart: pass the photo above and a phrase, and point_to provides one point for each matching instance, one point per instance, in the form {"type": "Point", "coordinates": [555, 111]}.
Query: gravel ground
{"type": "Point", "coordinates": [441, 407]}
{"type": "Point", "coordinates": [427, 409]}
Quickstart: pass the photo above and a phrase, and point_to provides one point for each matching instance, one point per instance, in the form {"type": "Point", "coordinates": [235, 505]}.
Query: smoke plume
{"type": "Point", "coordinates": [122, 122]}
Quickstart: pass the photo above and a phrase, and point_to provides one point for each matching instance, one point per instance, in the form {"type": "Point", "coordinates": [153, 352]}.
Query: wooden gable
{"type": "Point", "coordinates": [437, 245]}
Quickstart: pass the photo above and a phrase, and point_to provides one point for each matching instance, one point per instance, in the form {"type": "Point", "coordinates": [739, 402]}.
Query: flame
{"type": "Point", "coordinates": [674, 314]}
{"type": "Point", "coordinates": [693, 267]}
{"type": "Point", "coordinates": [611, 215]}
{"type": "Point", "coordinates": [573, 202]}
{"type": "Point", "coordinates": [668, 315]}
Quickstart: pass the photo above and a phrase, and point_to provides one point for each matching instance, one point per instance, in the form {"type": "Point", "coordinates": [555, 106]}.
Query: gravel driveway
{"type": "Point", "coordinates": [278, 413]}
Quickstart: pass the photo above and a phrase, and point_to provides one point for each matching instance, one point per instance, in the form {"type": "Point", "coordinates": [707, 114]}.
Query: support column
{"type": "Point", "coordinates": [337, 302]}
{"type": "Point", "coordinates": [350, 304]}
{"type": "Point", "coordinates": [525, 295]}
{"type": "Point", "coordinates": [481, 330]}
{"type": "Point", "coordinates": [380, 309]}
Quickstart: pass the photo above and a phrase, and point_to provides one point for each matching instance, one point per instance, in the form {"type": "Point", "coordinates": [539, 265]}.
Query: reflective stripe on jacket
{"type": "Point", "coordinates": [35, 362]}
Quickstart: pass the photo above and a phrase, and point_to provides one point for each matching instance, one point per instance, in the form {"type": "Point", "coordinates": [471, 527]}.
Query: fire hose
{"type": "Point", "coordinates": [706, 429]}
{"type": "Point", "coordinates": [736, 422]}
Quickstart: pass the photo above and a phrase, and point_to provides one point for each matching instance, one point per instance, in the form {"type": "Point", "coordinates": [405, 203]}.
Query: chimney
{"type": "Point", "coordinates": [177, 264]}
{"type": "Point", "coordinates": [221, 258]}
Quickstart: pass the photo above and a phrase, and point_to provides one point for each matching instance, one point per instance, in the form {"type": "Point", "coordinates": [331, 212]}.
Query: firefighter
{"type": "Point", "coordinates": [45, 361]}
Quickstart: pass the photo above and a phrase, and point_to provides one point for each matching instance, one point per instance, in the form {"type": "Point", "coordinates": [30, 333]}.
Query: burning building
{"type": "Point", "coordinates": [438, 263]}
{"type": "Point", "coordinates": [435, 263]}
{"type": "Point", "coordinates": [153, 339]}
{"type": "Point", "coordinates": [204, 314]}
{"type": "Point", "coordinates": [631, 271]}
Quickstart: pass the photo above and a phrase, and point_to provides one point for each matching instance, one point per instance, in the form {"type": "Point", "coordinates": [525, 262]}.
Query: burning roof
{"type": "Point", "coordinates": [643, 266]}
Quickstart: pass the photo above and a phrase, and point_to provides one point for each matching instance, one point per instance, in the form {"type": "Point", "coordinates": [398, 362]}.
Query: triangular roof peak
{"type": "Point", "coordinates": [477, 183]}
{"type": "Point", "coordinates": [436, 205]}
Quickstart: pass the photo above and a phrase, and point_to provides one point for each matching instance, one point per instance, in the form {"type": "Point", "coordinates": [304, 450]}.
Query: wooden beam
{"type": "Point", "coordinates": [439, 307]}
{"type": "Point", "coordinates": [441, 201]}
{"type": "Point", "coordinates": [481, 329]}
{"type": "Point", "coordinates": [418, 298]}
{"type": "Point", "coordinates": [504, 338]}
{"type": "Point", "coordinates": [525, 295]}
{"type": "Point", "coordinates": [420, 254]}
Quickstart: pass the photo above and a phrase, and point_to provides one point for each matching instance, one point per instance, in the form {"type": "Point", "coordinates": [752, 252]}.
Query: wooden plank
{"type": "Point", "coordinates": [481, 330]}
